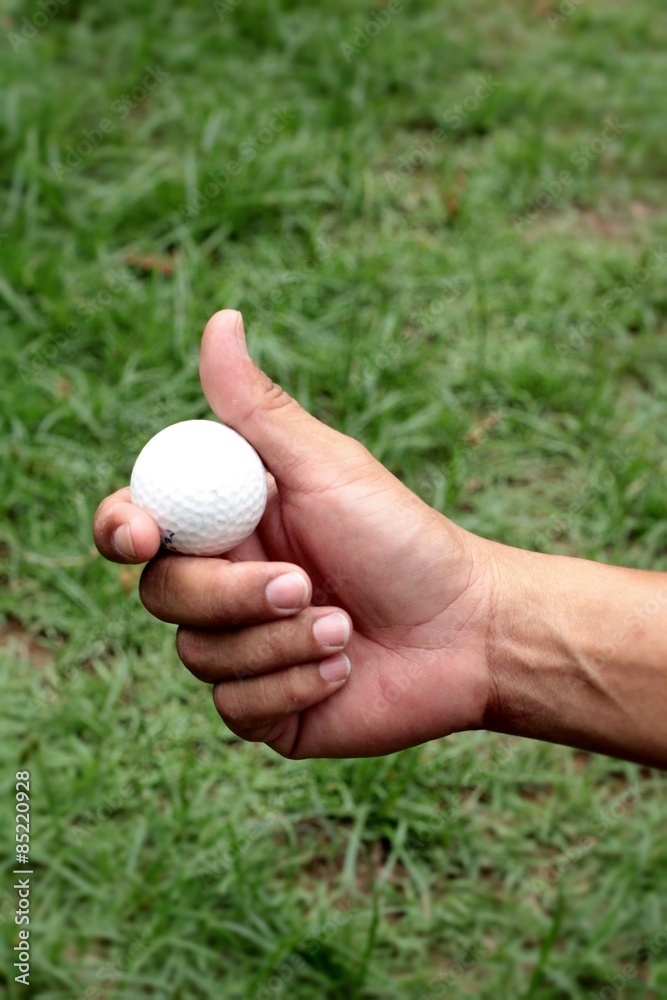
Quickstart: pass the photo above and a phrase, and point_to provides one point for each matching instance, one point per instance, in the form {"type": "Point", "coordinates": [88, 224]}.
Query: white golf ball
{"type": "Point", "coordinates": [203, 484]}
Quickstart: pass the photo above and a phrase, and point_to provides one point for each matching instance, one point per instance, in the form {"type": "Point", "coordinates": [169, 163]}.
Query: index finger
{"type": "Point", "coordinates": [123, 532]}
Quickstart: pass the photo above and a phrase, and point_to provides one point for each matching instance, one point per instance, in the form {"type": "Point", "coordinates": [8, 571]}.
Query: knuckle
{"type": "Point", "coordinates": [292, 693]}
{"type": "Point", "coordinates": [356, 449]}
{"type": "Point", "coordinates": [253, 711]}
{"type": "Point", "coordinates": [219, 596]}
{"type": "Point", "coordinates": [276, 397]}
{"type": "Point", "coordinates": [280, 644]}
{"type": "Point", "coordinates": [228, 701]}
{"type": "Point", "coordinates": [359, 460]}
{"type": "Point", "coordinates": [209, 657]}
{"type": "Point", "coordinates": [239, 671]}
{"type": "Point", "coordinates": [254, 650]}
{"type": "Point", "coordinates": [269, 648]}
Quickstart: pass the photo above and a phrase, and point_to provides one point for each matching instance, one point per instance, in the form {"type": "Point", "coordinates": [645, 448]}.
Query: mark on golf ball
{"type": "Point", "coordinates": [203, 484]}
{"type": "Point", "coordinates": [168, 540]}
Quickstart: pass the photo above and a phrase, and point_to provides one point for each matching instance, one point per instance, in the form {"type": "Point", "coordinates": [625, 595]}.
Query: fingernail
{"type": "Point", "coordinates": [335, 669]}
{"type": "Point", "coordinates": [333, 631]}
{"type": "Point", "coordinates": [122, 540]}
{"type": "Point", "coordinates": [288, 592]}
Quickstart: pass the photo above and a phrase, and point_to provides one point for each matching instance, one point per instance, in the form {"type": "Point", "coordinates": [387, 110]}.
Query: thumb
{"type": "Point", "coordinates": [244, 397]}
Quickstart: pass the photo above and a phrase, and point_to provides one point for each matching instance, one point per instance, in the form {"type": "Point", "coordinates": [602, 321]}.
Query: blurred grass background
{"type": "Point", "coordinates": [445, 227]}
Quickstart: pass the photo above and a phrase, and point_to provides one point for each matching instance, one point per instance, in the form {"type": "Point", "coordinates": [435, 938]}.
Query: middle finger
{"type": "Point", "coordinates": [219, 654]}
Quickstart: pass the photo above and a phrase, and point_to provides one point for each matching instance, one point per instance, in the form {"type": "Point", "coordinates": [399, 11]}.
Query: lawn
{"type": "Point", "coordinates": [445, 226]}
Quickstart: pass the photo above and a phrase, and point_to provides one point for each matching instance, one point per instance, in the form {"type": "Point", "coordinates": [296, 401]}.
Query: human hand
{"type": "Point", "coordinates": [409, 592]}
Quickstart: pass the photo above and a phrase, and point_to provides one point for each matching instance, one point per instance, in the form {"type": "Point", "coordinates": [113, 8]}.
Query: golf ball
{"type": "Point", "coordinates": [203, 484]}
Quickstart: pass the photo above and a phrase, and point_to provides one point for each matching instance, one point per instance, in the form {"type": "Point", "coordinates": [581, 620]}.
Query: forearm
{"type": "Point", "coordinates": [578, 654]}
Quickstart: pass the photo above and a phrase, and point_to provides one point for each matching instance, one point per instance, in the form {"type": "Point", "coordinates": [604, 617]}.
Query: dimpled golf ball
{"type": "Point", "coordinates": [203, 484]}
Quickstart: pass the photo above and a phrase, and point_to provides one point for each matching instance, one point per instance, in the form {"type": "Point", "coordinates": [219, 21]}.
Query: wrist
{"type": "Point", "coordinates": [576, 654]}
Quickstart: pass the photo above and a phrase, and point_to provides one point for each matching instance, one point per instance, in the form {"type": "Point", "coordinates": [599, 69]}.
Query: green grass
{"type": "Point", "coordinates": [464, 349]}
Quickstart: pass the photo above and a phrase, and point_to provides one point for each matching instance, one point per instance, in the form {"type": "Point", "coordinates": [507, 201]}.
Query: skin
{"type": "Point", "coordinates": [440, 630]}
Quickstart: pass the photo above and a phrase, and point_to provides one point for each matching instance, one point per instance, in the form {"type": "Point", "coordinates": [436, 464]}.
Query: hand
{"type": "Point", "coordinates": [355, 619]}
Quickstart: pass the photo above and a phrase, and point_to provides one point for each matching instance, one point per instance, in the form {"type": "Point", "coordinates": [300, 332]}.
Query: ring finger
{"type": "Point", "coordinates": [252, 707]}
